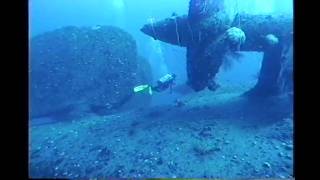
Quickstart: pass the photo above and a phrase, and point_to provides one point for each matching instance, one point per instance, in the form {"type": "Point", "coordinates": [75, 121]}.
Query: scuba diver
{"type": "Point", "coordinates": [165, 82]}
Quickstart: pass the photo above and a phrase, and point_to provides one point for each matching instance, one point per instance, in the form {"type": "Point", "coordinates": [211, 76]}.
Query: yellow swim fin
{"type": "Point", "coordinates": [142, 89]}
{"type": "Point", "coordinates": [150, 90]}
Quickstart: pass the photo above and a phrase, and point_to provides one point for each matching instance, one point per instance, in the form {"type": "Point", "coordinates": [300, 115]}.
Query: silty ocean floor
{"type": "Point", "coordinates": [212, 135]}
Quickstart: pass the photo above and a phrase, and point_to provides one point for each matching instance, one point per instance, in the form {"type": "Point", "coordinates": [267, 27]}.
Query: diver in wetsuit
{"type": "Point", "coordinates": [163, 83]}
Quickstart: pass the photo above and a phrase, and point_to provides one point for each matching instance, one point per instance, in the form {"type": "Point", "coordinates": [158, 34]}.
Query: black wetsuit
{"type": "Point", "coordinates": [161, 86]}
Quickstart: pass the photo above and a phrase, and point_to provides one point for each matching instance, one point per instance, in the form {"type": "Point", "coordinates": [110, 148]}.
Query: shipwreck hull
{"type": "Point", "coordinates": [201, 32]}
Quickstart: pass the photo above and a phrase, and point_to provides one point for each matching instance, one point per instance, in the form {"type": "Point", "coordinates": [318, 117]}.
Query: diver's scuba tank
{"type": "Point", "coordinates": [143, 89]}
{"type": "Point", "coordinates": [166, 78]}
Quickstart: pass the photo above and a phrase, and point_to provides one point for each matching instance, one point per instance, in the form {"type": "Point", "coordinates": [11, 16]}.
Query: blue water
{"type": "Point", "coordinates": [217, 134]}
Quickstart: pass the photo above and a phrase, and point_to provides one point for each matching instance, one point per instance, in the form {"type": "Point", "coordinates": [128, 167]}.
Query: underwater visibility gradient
{"type": "Point", "coordinates": [161, 89]}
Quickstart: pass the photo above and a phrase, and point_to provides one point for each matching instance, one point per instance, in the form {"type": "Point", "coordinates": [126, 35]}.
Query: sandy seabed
{"type": "Point", "coordinates": [216, 135]}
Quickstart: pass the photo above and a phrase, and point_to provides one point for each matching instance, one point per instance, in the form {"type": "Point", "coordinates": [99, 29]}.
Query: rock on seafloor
{"type": "Point", "coordinates": [72, 66]}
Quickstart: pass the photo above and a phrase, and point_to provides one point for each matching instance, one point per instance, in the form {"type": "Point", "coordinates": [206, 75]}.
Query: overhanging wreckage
{"type": "Point", "coordinates": [205, 32]}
